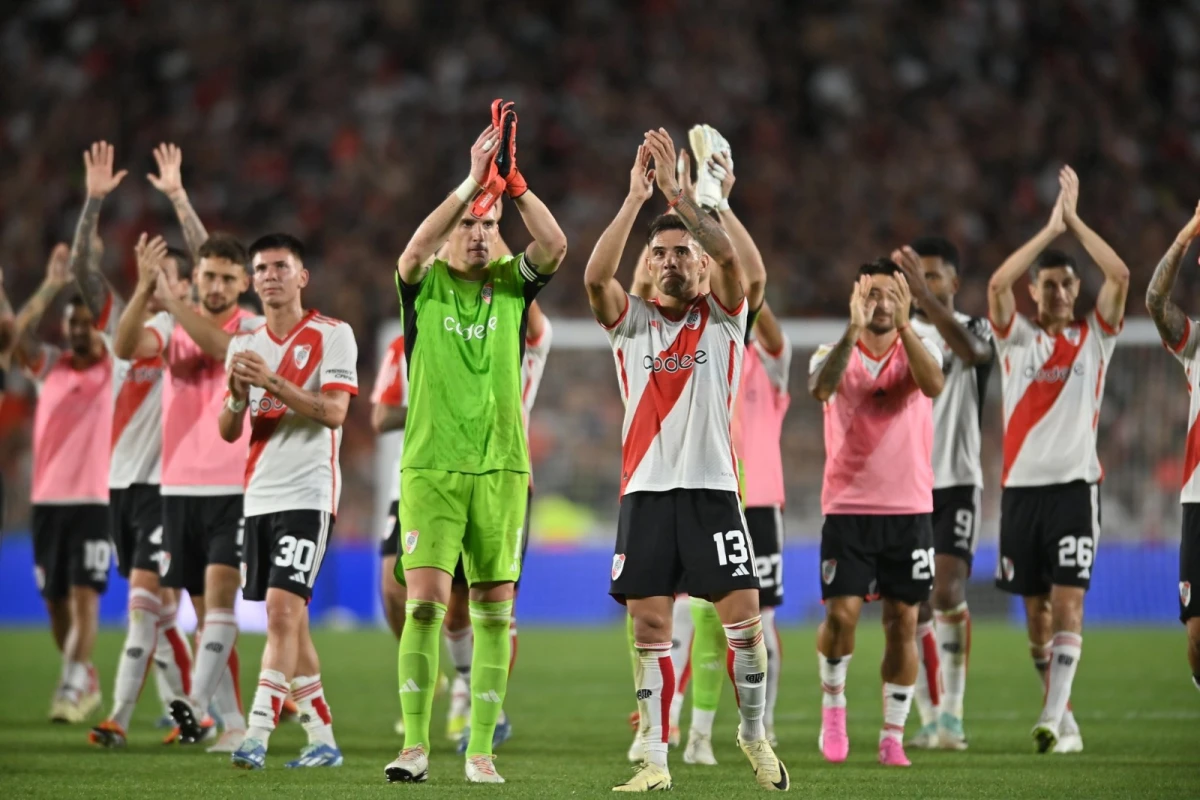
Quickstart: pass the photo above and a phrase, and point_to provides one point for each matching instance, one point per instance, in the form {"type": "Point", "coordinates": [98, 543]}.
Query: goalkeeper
{"type": "Point", "coordinates": [464, 474]}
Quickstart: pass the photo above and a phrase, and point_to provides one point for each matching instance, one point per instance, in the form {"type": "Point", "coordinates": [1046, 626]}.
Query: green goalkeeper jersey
{"type": "Point", "coordinates": [464, 343]}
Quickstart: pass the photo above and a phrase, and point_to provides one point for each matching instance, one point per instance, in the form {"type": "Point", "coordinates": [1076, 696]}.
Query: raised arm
{"type": "Point", "coordinates": [968, 347]}
{"type": "Point", "coordinates": [925, 368]}
{"type": "Point", "coordinates": [7, 326]}
{"type": "Point", "coordinates": [210, 337]}
{"type": "Point", "coordinates": [726, 278]}
{"type": "Point", "coordinates": [85, 258]}
{"type": "Point", "coordinates": [133, 339]}
{"type": "Point", "coordinates": [607, 298]}
{"type": "Point", "coordinates": [435, 229]}
{"type": "Point", "coordinates": [1002, 304]}
{"type": "Point", "coordinates": [823, 383]}
{"type": "Point", "coordinates": [549, 245]}
{"type": "Point", "coordinates": [766, 328]}
{"type": "Point", "coordinates": [754, 271]}
{"type": "Point", "coordinates": [1168, 317]}
{"type": "Point", "coordinates": [169, 181]}
{"type": "Point", "coordinates": [1110, 302]}
{"type": "Point", "coordinates": [30, 316]}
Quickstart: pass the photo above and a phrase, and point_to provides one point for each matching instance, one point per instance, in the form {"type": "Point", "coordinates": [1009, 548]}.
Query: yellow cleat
{"type": "Point", "coordinates": [455, 726]}
{"type": "Point", "coordinates": [648, 778]}
{"type": "Point", "coordinates": [89, 704]}
{"type": "Point", "coordinates": [769, 771]}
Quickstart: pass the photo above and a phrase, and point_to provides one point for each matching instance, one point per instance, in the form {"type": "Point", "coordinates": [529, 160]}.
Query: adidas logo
{"type": "Point", "coordinates": [740, 571]}
{"type": "Point", "coordinates": [409, 686]}
{"type": "Point", "coordinates": [298, 577]}
{"type": "Point", "coordinates": [489, 696]}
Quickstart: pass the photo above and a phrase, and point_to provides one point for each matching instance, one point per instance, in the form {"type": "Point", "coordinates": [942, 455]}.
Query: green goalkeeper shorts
{"type": "Point", "coordinates": [482, 517]}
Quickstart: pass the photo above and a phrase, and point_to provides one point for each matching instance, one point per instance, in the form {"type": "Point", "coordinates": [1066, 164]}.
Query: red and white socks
{"type": "Point", "coordinates": [953, 633]}
{"type": "Point", "coordinates": [897, 701]}
{"type": "Point", "coordinates": [173, 657]}
{"type": "Point", "coordinates": [272, 691]}
{"type": "Point", "coordinates": [227, 700]}
{"type": "Point", "coordinates": [748, 671]}
{"type": "Point", "coordinates": [315, 715]}
{"type": "Point", "coordinates": [654, 680]}
{"type": "Point", "coordinates": [774, 662]}
{"type": "Point", "coordinates": [1065, 650]}
{"type": "Point", "coordinates": [212, 655]}
{"type": "Point", "coordinates": [140, 641]}
{"type": "Point", "coordinates": [833, 680]}
{"type": "Point", "coordinates": [928, 679]}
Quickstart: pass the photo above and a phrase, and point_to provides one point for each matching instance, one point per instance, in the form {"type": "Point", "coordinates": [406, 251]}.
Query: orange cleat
{"type": "Point", "coordinates": [107, 734]}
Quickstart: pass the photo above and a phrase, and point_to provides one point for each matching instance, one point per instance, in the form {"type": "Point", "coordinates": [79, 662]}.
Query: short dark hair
{"type": "Point", "coordinates": [1050, 259]}
{"type": "Point", "coordinates": [880, 266]}
{"type": "Point", "coordinates": [75, 300]}
{"type": "Point", "coordinates": [226, 246]}
{"type": "Point", "coordinates": [278, 241]}
{"type": "Point", "coordinates": [666, 222]}
{"type": "Point", "coordinates": [183, 263]}
{"type": "Point", "coordinates": [937, 247]}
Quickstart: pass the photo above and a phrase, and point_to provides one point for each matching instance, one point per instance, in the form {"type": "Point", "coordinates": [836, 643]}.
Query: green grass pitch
{"type": "Point", "coordinates": [569, 701]}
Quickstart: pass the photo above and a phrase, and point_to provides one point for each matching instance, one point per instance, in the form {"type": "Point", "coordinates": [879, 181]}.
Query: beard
{"type": "Point", "coordinates": [218, 306]}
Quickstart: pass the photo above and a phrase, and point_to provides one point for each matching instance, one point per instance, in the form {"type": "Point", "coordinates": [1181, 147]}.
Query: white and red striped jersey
{"type": "Point", "coordinates": [391, 389]}
{"type": "Point", "coordinates": [679, 375]}
{"type": "Point", "coordinates": [1052, 387]}
{"type": "Point", "coordinates": [536, 352]}
{"type": "Point", "coordinates": [1187, 350]}
{"type": "Point", "coordinates": [293, 462]}
{"type": "Point", "coordinates": [137, 422]}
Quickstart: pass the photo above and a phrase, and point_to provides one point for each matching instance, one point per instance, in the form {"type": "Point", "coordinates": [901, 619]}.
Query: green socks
{"type": "Point", "coordinates": [489, 672]}
{"type": "Point", "coordinates": [708, 656]}
{"type": "Point", "coordinates": [418, 667]}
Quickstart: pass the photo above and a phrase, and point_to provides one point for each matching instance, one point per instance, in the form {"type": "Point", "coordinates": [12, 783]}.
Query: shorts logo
{"type": "Point", "coordinates": [1007, 567]}
{"type": "Point", "coordinates": [486, 294]}
{"type": "Point", "coordinates": [410, 541]}
{"type": "Point", "coordinates": [693, 319]}
{"type": "Point", "coordinates": [164, 563]}
{"type": "Point", "coordinates": [300, 353]}
{"type": "Point", "coordinates": [1185, 593]}
{"type": "Point", "coordinates": [828, 570]}
{"type": "Point", "coordinates": [39, 575]}
{"type": "Point", "coordinates": [618, 565]}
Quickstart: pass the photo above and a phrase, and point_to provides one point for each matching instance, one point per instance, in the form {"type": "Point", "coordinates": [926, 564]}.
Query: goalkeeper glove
{"type": "Point", "coordinates": [494, 184]}
{"type": "Point", "coordinates": [505, 118]}
{"type": "Point", "coordinates": [708, 189]}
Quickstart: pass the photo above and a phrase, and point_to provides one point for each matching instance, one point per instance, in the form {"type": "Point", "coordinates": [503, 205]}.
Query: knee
{"type": "Point", "coordinates": [900, 625]}
{"type": "Point", "coordinates": [1193, 632]}
{"type": "Point", "coordinates": [424, 614]}
{"type": "Point", "coordinates": [651, 626]}
{"type": "Point", "coordinates": [1066, 609]}
{"type": "Point", "coordinates": [285, 614]}
{"type": "Point", "coordinates": [949, 594]}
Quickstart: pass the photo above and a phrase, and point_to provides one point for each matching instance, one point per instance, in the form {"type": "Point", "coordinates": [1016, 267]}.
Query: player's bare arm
{"type": "Point", "coordinates": [971, 349]}
{"type": "Point", "coordinates": [328, 407]}
{"type": "Point", "coordinates": [386, 417]}
{"type": "Point", "coordinates": [7, 326]}
{"type": "Point", "coordinates": [58, 275]}
{"type": "Point", "coordinates": [133, 339]}
{"type": "Point", "coordinates": [754, 271]}
{"type": "Point", "coordinates": [211, 338]}
{"type": "Point", "coordinates": [1110, 302]}
{"type": "Point", "coordinates": [169, 181]}
{"type": "Point", "coordinates": [726, 280]}
{"type": "Point", "coordinates": [432, 233]}
{"type": "Point", "coordinates": [766, 328]}
{"type": "Point", "coordinates": [925, 369]}
{"type": "Point", "coordinates": [823, 383]}
{"type": "Point", "coordinates": [549, 245]}
{"type": "Point", "coordinates": [1002, 303]}
{"type": "Point", "coordinates": [607, 298]}
{"type": "Point", "coordinates": [233, 413]}
{"type": "Point", "coordinates": [1168, 317]}
{"type": "Point", "coordinates": [85, 256]}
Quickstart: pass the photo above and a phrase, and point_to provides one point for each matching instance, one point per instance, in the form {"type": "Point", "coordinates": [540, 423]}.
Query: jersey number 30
{"type": "Point", "coordinates": [297, 554]}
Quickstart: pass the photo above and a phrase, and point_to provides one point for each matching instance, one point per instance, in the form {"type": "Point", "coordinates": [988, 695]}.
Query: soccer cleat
{"type": "Point", "coordinates": [637, 751]}
{"type": "Point", "coordinates": [191, 729]}
{"type": "Point", "coordinates": [926, 738]}
{"type": "Point", "coordinates": [89, 703]}
{"type": "Point", "coordinates": [833, 741]}
{"type": "Point", "coordinates": [674, 737]}
{"type": "Point", "coordinates": [891, 753]}
{"type": "Point", "coordinates": [175, 737]}
{"type": "Point", "coordinates": [1069, 738]}
{"type": "Point", "coordinates": [699, 750]}
{"type": "Point", "coordinates": [950, 732]}
{"type": "Point", "coordinates": [317, 755]}
{"type": "Point", "coordinates": [251, 754]}
{"type": "Point", "coordinates": [165, 722]}
{"type": "Point", "coordinates": [771, 737]}
{"type": "Point", "coordinates": [107, 734]}
{"type": "Point", "coordinates": [1045, 737]}
{"type": "Point", "coordinates": [769, 771]}
{"type": "Point", "coordinates": [648, 778]}
{"type": "Point", "coordinates": [60, 710]}
{"type": "Point", "coordinates": [480, 769]}
{"type": "Point", "coordinates": [228, 742]}
{"type": "Point", "coordinates": [411, 766]}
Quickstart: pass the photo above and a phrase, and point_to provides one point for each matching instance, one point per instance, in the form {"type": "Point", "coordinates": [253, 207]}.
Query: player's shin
{"type": "Point", "coordinates": [681, 656]}
{"type": "Point", "coordinates": [927, 695]}
{"type": "Point", "coordinates": [654, 680]}
{"type": "Point", "coordinates": [212, 654]}
{"type": "Point", "coordinates": [1065, 650]}
{"type": "Point", "coordinates": [172, 657]}
{"type": "Point", "coordinates": [144, 611]}
{"type": "Point", "coordinates": [227, 699]}
{"type": "Point", "coordinates": [418, 667]}
{"type": "Point", "coordinates": [268, 703]}
{"type": "Point", "coordinates": [489, 670]}
{"type": "Point", "coordinates": [897, 701]}
{"type": "Point", "coordinates": [709, 649]}
{"type": "Point", "coordinates": [748, 670]}
{"type": "Point", "coordinates": [774, 663]}
{"type": "Point", "coordinates": [953, 640]}
{"type": "Point", "coordinates": [315, 715]}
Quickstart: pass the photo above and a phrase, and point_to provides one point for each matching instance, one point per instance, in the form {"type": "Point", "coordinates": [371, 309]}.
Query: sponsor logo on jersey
{"type": "Point", "coordinates": [828, 570]}
{"type": "Point", "coordinates": [1185, 593]}
{"type": "Point", "coordinates": [1053, 374]}
{"type": "Point", "coordinates": [486, 294]}
{"type": "Point", "coordinates": [470, 331]}
{"type": "Point", "coordinates": [674, 362]}
{"type": "Point", "coordinates": [1007, 568]}
{"type": "Point", "coordinates": [618, 565]}
{"type": "Point", "coordinates": [300, 354]}
{"type": "Point", "coordinates": [410, 541]}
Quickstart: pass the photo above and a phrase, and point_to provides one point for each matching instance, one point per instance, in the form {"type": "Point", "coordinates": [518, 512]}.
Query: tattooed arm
{"type": "Point", "coordinates": [169, 181]}
{"type": "Point", "coordinates": [30, 316]}
{"type": "Point", "coordinates": [85, 249]}
{"type": "Point", "coordinates": [1168, 317]}
{"type": "Point", "coordinates": [824, 381]}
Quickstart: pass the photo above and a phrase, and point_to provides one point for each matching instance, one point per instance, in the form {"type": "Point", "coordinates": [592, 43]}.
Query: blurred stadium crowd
{"type": "Point", "coordinates": [856, 126]}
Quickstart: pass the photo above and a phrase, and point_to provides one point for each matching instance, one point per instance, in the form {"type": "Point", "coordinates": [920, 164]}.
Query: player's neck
{"type": "Point", "coordinates": [283, 320]}
{"type": "Point", "coordinates": [221, 318]}
{"type": "Point", "coordinates": [91, 358]}
{"type": "Point", "coordinates": [877, 343]}
{"type": "Point", "coordinates": [468, 273]}
{"type": "Point", "coordinates": [1052, 327]}
{"type": "Point", "coordinates": [674, 304]}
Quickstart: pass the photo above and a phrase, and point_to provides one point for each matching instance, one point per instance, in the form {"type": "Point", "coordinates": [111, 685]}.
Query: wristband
{"type": "Point", "coordinates": [467, 189]}
{"type": "Point", "coordinates": [236, 406]}
{"type": "Point", "coordinates": [672, 203]}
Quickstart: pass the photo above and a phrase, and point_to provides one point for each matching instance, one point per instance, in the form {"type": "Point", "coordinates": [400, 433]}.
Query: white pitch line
{"type": "Point", "coordinates": [1007, 716]}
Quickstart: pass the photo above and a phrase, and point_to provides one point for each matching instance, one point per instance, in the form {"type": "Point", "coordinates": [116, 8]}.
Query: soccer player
{"type": "Point", "coordinates": [1052, 375]}
{"type": "Point", "coordinates": [71, 433]}
{"type": "Point", "coordinates": [1182, 336]}
{"type": "Point", "coordinates": [296, 374]}
{"type": "Point", "coordinates": [967, 357]}
{"type": "Point", "coordinates": [681, 527]}
{"type": "Point", "coordinates": [202, 477]}
{"type": "Point", "coordinates": [877, 494]}
{"type": "Point", "coordinates": [465, 471]}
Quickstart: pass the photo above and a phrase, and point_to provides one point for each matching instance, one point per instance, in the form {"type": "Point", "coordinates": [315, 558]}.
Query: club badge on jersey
{"type": "Point", "coordinates": [410, 541]}
{"type": "Point", "coordinates": [618, 565]}
{"type": "Point", "coordinates": [300, 353]}
{"type": "Point", "coordinates": [828, 570]}
{"type": "Point", "coordinates": [1185, 593]}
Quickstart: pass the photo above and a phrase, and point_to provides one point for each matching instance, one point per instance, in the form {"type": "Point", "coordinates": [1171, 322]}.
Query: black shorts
{"type": "Point", "coordinates": [135, 515]}
{"type": "Point", "coordinates": [1189, 562]}
{"type": "Point", "coordinates": [956, 522]}
{"type": "Point", "coordinates": [389, 545]}
{"type": "Point", "coordinates": [71, 547]}
{"type": "Point", "coordinates": [877, 555]}
{"type": "Point", "coordinates": [284, 550]}
{"type": "Point", "coordinates": [682, 540]}
{"type": "Point", "coordinates": [1048, 537]}
{"type": "Point", "coordinates": [766, 534]}
{"type": "Point", "coordinates": [198, 531]}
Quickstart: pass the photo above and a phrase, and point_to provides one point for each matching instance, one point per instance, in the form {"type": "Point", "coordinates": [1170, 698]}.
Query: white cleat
{"type": "Point", "coordinates": [699, 750]}
{"type": "Point", "coordinates": [411, 766]}
{"type": "Point", "coordinates": [228, 742]}
{"type": "Point", "coordinates": [480, 769]}
{"type": "Point", "coordinates": [1069, 738]}
{"type": "Point", "coordinates": [769, 771]}
{"type": "Point", "coordinates": [648, 778]}
{"type": "Point", "coordinates": [950, 732]}
{"type": "Point", "coordinates": [926, 738]}
{"type": "Point", "coordinates": [637, 752]}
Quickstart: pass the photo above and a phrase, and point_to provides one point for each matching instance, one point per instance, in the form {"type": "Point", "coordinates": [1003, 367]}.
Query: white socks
{"type": "Point", "coordinates": [173, 657]}
{"type": "Point", "coordinates": [227, 700]}
{"type": "Point", "coordinates": [897, 700]}
{"type": "Point", "coordinates": [748, 670]}
{"type": "Point", "coordinates": [1065, 650]}
{"type": "Point", "coordinates": [833, 680]}
{"type": "Point", "coordinates": [140, 640]}
{"type": "Point", "coordinates": [954, 641]}
{"type": "Point", "coordinates": [314, 711]}
{"type": "Point", "coordinates": [927, 674]}
{"type": "Point", "coordinates": [774, 661]}
{"type": "Point", "coordinates": [212, 654]}
{"type": "Point", "coordinates": [268, 702]}
{"type": "Point", "coordinates": [655, 684]}
{"type": "Point", "coordinates": [683, 628]}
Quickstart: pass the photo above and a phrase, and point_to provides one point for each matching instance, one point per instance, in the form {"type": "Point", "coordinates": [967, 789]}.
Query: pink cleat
{"type": "Point", "coordinates": [835, 744]}
{"type": "Point", "coordinates": [891, 753]}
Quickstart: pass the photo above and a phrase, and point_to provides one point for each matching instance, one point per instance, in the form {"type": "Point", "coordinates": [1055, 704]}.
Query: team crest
{"type": "Point", "coordinates": [410, 541]}
{"type": "Point", "coordinates": [828, 570]}
{"type": "Point", "coordinates": [618, 565]}
{"type": "Point", "coordinates": [1185, 593]}
{"type": "Point", "coordinates": [487, 293]}
{"type": "Point", "coordinates": [693, 319]}
{"type": "Point", "coordinates": [1007, 568]}
{"type": "Point", "coordinates": [39, 577]}
{"type": "Point", "coordinates": [300, 353]}
{"type": "Point", "coordinates": [1072, 334]}
{"type": "Point", "coordinates": [164, 563]}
